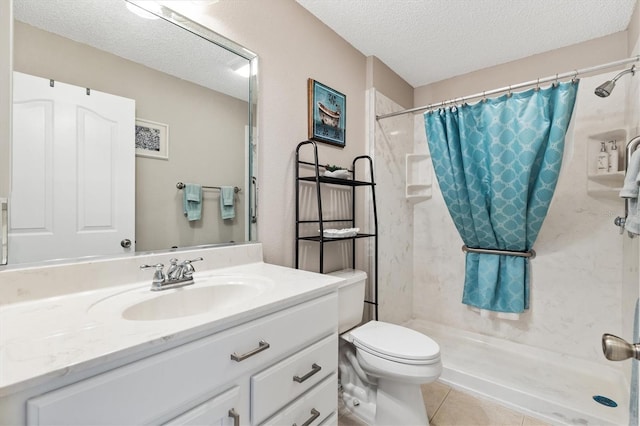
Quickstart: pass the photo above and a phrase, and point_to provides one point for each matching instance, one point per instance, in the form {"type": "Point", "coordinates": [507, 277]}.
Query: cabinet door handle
{"type": "Point", "coordinates": [262, 346]}
{"type": "Point", "coordinates": [314, 415]}
{"type": "Point", "coordinates": [314, 369]}
{"type": "Point", "coordinates": [236, 417]}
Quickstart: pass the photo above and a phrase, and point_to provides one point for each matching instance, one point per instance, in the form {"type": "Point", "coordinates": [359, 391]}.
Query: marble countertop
{"type": "Point", "coordinates": [51, 337]}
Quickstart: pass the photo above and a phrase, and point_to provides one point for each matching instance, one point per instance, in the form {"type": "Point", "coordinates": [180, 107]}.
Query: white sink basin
{"type": "Point", "coordinates": [207, 294]}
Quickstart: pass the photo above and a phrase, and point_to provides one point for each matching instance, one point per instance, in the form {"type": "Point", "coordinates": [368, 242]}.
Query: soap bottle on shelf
{"type": "Point", "coordinates": [613, 157]}
{"type": "Point", "coordinates": [603, 160]}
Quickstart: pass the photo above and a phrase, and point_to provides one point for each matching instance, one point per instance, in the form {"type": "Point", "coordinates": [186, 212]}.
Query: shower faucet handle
{"type": "Point", "coordinates": [618, 349]}
{"type": "Point", "coordinates": [620, 221]}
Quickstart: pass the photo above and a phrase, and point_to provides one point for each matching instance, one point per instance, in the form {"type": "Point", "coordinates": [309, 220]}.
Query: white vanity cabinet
{"type": "Point", "coordinates": [281, 365]}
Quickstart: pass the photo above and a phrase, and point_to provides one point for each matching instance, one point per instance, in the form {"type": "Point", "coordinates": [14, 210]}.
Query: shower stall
{"type": "Point", "coordinates": [549, 363]}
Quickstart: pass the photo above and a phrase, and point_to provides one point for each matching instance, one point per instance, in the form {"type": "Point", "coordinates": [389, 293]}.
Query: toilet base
{"type": "Point", "coordinates": [400, 404]}
{"type": "Point", "coordinates": [362, 408]}
{"type": "Point", "coordinates": [378, 400]}
{"type": "Point", "coordinates": [393, 404]}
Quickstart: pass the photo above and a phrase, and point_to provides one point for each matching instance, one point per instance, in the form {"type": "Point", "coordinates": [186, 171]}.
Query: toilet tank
{"type": "Point", "coordinates": [350, 298]}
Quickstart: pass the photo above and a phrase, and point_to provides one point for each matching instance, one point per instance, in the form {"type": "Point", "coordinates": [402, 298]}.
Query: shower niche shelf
{"type": "Point", "coordinates": [605, 185]}
{"type": "Point", "coordinates": [419, 177]}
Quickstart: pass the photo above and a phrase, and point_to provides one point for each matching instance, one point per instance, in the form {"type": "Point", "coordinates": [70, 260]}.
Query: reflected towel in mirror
{"type": "Point", "coordinates": [192, 201]}
{"type": "Point", "coordinates": [227, 209]}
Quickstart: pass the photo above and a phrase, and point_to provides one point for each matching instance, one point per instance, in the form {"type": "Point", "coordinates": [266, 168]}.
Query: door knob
{"type": "Point", "coordinates": [126, 243]}
{"type": "Point", "coordinates": [618, 349]}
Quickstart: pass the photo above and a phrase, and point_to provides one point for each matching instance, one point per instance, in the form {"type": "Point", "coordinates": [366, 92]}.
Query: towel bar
{"type": "Point", "coordinates": [180, 185]}
{"type": "Point", "coordinates": [530, 254]}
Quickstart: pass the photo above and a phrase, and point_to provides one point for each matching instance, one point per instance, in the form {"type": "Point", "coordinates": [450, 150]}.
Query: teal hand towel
{"type": "Point", "coordinates": [192, 201]}
{"type": "Point", "coordinates": [227, 209]}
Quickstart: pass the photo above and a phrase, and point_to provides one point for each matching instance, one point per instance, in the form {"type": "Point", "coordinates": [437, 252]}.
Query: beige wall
{"type": "Point", "coordinates": [206, 135]}
{"type": "Point", "coordinates": [387, 82]}
{"type": "Point", "coordinates": [590, 53]}
{"type": "Point", "coordinates": [292, 46]}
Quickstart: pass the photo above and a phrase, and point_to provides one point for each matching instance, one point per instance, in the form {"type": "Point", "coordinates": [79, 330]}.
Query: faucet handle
{"type": "Point", "coordinates": [158, 275]}
{"type": "Point", "coordinates": [188, 270]}
{"type": "Point", "coordinates": [157, 266]}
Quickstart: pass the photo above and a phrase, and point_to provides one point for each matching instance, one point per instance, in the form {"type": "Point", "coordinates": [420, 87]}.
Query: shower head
{"type": "Point", "coordinates": [606, 88]}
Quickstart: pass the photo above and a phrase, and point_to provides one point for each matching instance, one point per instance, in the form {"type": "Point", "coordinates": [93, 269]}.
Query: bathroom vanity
{"type": "Point", "coordinates": [248, 343]}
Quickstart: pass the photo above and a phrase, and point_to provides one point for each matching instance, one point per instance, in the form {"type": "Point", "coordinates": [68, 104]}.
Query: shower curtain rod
{"type": "Point", "coordinates": [536, 82]}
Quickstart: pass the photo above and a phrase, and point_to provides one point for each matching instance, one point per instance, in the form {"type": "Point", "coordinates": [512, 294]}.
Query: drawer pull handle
{"type": "Point", "coordinates": [314, 369]}
{"type": "Point", "coordinates": [262, 346]}
{"type": "Point", "coordinates": [236, 417]}
{"type": "Point", "coordinates": [314, 415]}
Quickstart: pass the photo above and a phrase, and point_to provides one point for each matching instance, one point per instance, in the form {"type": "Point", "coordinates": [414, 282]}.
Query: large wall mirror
{"type": "Point", "coordinates": [181, 98]}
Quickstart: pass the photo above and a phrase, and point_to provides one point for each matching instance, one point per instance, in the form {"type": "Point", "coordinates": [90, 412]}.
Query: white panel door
{"type": "Point", "coordinates": [73, 171]}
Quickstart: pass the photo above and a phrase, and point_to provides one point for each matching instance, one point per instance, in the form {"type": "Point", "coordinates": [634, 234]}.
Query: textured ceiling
{"type": "Point", "coordinates": [430, 40]}
{"type": "Point", "coordinates": [109, 26]}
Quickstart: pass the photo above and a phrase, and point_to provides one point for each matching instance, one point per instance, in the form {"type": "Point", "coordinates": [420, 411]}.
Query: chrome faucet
{"type": "Point", "coordinates": [178, 274]}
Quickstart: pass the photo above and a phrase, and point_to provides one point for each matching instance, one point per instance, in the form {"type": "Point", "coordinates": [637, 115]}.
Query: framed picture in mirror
{"type": "Point", "coordinates": [327, 114]}
{"type": "Point", "coordinates": [152, 139]}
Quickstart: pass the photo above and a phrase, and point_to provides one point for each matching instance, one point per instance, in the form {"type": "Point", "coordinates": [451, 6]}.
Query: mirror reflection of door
{"type": "Point", "coordinates": [181, 75]}
{"type": "Point", "coordinates": [78, 146]}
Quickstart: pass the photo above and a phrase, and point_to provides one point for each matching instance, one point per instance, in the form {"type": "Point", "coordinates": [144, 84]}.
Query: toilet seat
{"type": "Point", "coordinates": [395, 343]}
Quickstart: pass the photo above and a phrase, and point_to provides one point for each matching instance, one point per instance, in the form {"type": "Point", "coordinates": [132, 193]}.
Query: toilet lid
{"type": "Point", "coordinates": [394, 341]}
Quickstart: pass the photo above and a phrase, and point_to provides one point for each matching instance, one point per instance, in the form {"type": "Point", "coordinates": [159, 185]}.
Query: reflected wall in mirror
{"type": "Point", "coordinates": [178, 74]}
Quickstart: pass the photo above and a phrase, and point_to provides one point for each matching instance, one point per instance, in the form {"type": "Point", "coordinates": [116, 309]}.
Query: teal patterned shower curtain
{"type": "Point", "coordinates": [497, 163]}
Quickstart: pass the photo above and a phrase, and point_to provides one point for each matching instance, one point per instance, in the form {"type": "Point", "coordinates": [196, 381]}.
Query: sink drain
{"type": "Point", "coordinates": [605, 401]}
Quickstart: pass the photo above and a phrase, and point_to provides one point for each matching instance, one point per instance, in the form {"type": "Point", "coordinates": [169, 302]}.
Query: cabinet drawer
{"type": "Point", "coordinates": [292, 377]}
{"type": "Point", "coordinates": [332, 420]}
{"type": "Point", "coordinates": [312, 408]}
{"type": "Point", "coordinates": [214, 411]}
{"type": "Point", "coordinates": [158, 388]}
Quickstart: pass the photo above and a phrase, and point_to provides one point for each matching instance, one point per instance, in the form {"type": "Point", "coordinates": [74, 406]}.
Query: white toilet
{"type": "Point", "coordinates": [382, 365]}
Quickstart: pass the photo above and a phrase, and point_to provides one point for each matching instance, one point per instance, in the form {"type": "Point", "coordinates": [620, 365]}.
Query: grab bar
{"type": "Point", "coordinates": [4, 232]}
{"type": "Point", "coordinates": [254, 211]}
{"type": "Point", "coordinates": [632, 145]}
{"type": "Point", "coordinates": [530, 254]}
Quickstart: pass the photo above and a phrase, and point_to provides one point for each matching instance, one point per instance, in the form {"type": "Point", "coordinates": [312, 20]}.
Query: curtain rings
{"type": "Point", "coordinates": [555, 82]}
{"type": "Point", "coordinates": [484, 96]}
{"type": "Point", "coordinates": [537, 85]}
{"type": "Point", "coordinates": [509, 92]}
{"type": "Point", "coordinates": [574, 80]}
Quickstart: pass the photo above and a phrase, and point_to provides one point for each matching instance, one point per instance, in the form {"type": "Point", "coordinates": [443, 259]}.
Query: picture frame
{"type": "Point", "coordinates": [326, 114]}
{"type": "Point", "coordinates": [152, 139]}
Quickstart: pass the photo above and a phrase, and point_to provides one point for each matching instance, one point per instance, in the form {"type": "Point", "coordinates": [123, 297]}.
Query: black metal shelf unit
{"type": "Point", "coordinates": [319, 180]}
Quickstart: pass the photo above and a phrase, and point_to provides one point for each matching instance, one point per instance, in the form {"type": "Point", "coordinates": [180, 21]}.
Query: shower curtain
{"type": "Point", "coordinates": [497, 163]}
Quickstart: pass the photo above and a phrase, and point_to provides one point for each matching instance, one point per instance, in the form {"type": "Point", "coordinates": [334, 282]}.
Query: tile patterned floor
{"type": "Point", "coordinates": [450, 407]}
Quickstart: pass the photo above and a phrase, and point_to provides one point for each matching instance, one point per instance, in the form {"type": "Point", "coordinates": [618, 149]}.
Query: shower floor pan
{"type": "Point", "coordinates": [552, 387]}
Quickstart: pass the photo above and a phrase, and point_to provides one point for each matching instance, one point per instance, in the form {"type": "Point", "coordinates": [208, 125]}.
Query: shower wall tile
{"type": "Point", "coordinates": [393, 140]}
{"type": "Point", "coordinates": [576, 286]}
